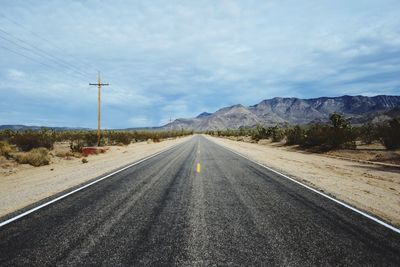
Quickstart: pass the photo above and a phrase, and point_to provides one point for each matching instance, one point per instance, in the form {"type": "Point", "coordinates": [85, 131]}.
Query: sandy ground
{"type": "Point", "coordinates": [372, 188]}
{"type": "Point", "coordinates": [368, 154]}
{"type": "Point", "coordinates": [29, 184]}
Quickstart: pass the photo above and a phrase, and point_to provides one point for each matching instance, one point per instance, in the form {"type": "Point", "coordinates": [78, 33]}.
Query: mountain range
{"type": "Point", "coordinates": [359, 109]}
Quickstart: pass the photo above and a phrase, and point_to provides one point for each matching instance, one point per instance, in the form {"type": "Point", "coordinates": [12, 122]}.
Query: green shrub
{"type": "Point", "coordinates": [277, 133]}
{"type": "Point", "coordinates": [295, 136]}
{"type": "Point", "coordinates": [340, 134]}
{"type": "Point", "coordinates": [124, 138]}
{"type": "Point", "coordinates": [390, 134]}
{"type": "Point", "coordinates": [260, 132]}
{"type": "Point", "coordinates": [79, 139]}
{"type": "Point", "coordinates": [27, 140]}
{"type": "Point", "coordinates": [316, 135]}
{"type": "Point", "coordinates": [36, 157]}
{"type": "Point", "coordinates": [368, 133]}
{"type": "Point", "coordinates": [90, 138]}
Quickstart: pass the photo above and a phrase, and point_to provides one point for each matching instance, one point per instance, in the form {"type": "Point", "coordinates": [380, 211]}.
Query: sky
{"type": "Point", "coordinates": [173, 59]}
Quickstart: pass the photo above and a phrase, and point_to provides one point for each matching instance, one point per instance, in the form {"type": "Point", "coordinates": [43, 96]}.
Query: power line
{"type": "Point", "coordinates": [25, 56]}
{"type": "Point", "coordinates": [45, 40]}
{"type": "Point", "coordinates": [38, 61]}
{"type": "Point", "coordinates": [39, 52]}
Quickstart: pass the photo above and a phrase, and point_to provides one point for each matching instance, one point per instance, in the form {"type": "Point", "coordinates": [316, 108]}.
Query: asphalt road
{"type": "Point", "coordinates": [163, 212]}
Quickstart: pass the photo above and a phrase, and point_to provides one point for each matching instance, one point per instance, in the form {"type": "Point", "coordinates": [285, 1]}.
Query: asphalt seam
{"type": "Point", "coordinates": [397, 230]}
{"type": "Point", "coordinates": [83, 187]}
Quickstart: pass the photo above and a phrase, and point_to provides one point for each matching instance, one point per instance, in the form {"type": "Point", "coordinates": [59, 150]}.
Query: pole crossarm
{"type": "Point", "coordinates": [99, 85]}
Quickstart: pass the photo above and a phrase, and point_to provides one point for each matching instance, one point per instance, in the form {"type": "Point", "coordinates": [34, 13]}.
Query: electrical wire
{"type": "Point", "coordinates": [38, 52]}
{"type": "Point", "coordinates": [48, 42]}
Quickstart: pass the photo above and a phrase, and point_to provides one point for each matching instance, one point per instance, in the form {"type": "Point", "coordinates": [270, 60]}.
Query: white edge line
{"type": "Point", "coordinates": [397, 230]}
{"type": "Point", "coordinates": [82, 187]}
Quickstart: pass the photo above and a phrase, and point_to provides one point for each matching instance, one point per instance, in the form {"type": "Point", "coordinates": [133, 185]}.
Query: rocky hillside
{"type": "Point", "coordinates": [294, 111]}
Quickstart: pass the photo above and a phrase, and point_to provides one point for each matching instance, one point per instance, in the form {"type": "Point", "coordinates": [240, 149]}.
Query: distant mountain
{"type": "Point", "coordinates": [294, 111]}
{"type": "Point", "coordinates": [18, 127]}
{"type": "Point", "coordinates": [204, 115]}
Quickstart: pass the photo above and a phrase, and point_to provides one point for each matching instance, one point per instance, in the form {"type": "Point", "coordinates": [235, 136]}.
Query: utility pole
{"type": "Point", "coordinates": [99, 85]}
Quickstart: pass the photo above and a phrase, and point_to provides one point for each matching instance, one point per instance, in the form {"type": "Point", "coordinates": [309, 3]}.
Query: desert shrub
{"type": "Point", "coordinates": [156, 138]}
{"type": "Point", "coordinates": [295, 136]}
{"type": "Point", "coordinates": [115, 137]}
{"type": "Point", "coordinates": [79, 139]}
{"type": "Point", "coordinates": [5, 149]}
{"type": "Point", "coordinates": [6, 135]}
{"type": "Point", "coordinates": [242, 131]}
{"type": "Point", "coordinates": [27, 140]}
{"type": "Point", "coordinates": [260, 132]}
{"type": "Point", "coordinates": [390, 134]}
{"type": "Point", "coordinates": [316, 135]}
{"type": "Point", "coordinates": [341, 134]}
{"type": "Point", "coordinates": [36, 157]}
{"type": "Point", "coordinates": [90, 138]}
{"type": "Point", "coordinates": [368, 133]}
{"type": "Point", "coordinates": [230, 132]}
{"type": "Point", "coordinates": [277, 133]}
{"type": "Point", "coordinates": [76, 145]}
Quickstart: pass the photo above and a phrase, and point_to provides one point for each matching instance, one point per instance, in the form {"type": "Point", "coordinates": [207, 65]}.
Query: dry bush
{"type": "Point", "coordinates": [36, 157]}
{"type": "Point", "coordinates": [119, 137]}
{"type": "Point", "coordinates": [5, 149]}
{"type": "Point", "coordinates": [27, 140]}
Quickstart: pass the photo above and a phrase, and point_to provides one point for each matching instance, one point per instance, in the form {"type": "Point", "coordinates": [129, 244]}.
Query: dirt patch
{"type": "Point", "coordinates": [373, 188]}
{"type": "Point", "coordinates": [27, 184]}
{"type": "Point", "coordinates": [383, 156]}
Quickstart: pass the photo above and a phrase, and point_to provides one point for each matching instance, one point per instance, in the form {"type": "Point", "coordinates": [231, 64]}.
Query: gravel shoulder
{"type": "Point", "coordinates": [372, 188]}
{"type": "Point", "coordinates": [31, 184]}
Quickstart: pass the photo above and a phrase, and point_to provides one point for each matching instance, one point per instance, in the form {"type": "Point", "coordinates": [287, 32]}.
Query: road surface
{"type": "Point", "coordinates": [164, 212]}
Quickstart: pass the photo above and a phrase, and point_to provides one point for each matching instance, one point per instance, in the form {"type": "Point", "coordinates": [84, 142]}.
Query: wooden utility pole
{"type": "Point", "coordinates": [99, 85]}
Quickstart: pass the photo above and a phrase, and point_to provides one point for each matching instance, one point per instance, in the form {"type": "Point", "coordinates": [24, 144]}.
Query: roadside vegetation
{"type": "Point", "coordinates": [36, 147]}
{"type": "Point", "coordinates": [338, 134]}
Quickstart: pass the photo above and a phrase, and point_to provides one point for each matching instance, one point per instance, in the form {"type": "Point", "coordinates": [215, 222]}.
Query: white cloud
{"type": "Point", "coordinates": [14, 74]}
{"type": "Point", "coordinates": [184, 57]}
{"type": "Point", "coordinates": [139, 121]}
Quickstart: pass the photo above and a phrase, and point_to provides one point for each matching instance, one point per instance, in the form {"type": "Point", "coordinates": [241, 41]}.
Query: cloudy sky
{"type": "Point", "coordinates": [179, 58]}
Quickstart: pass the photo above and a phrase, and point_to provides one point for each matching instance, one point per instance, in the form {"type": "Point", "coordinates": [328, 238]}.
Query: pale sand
{"type": "Point", "coordinates": [30, 184]}
{"type": "Point", "coordinates": [375, 189]}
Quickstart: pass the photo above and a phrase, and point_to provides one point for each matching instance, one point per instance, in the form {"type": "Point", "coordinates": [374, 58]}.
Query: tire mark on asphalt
{"type": "Point", "coordinates": [116, 213]}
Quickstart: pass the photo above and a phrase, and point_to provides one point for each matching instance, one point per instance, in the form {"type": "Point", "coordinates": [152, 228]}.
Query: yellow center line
{"type": "Point", "coordinates": [198, 167]}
